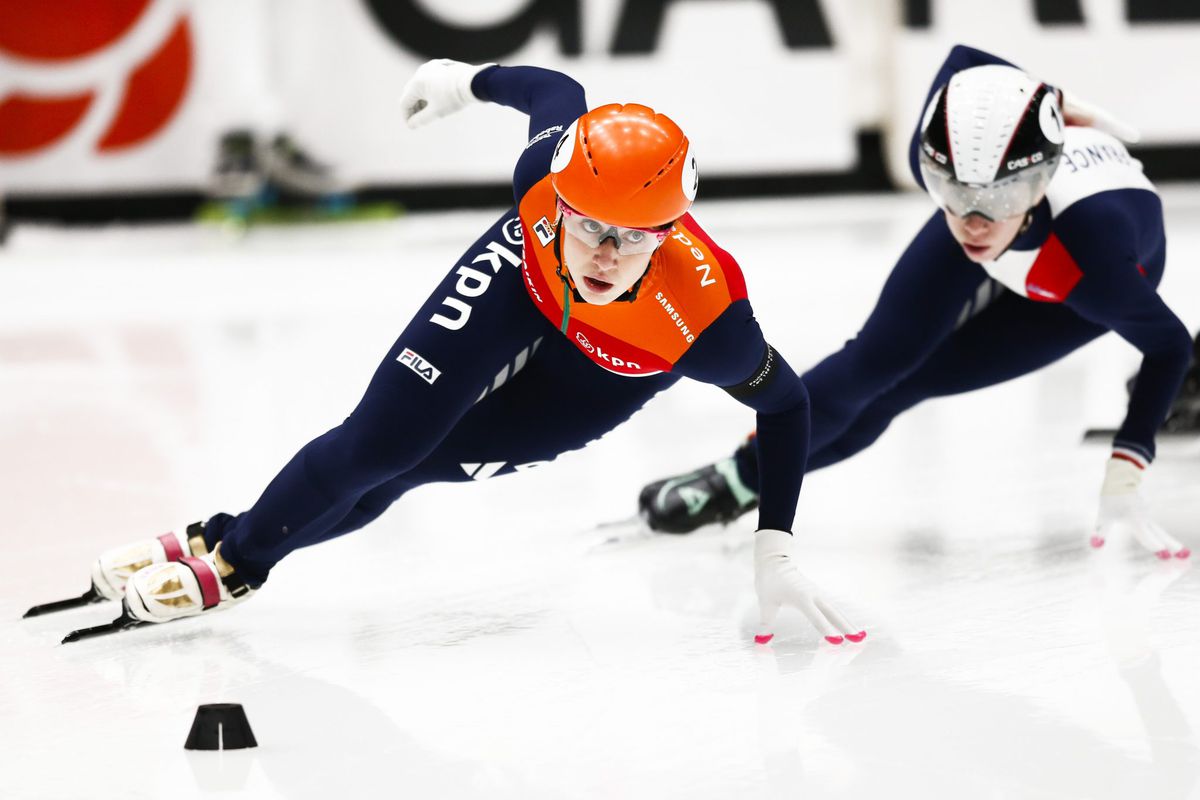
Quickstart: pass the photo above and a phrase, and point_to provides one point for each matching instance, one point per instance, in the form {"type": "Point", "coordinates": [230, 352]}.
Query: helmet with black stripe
{"type": "Point", "coordinates": [991, 139]}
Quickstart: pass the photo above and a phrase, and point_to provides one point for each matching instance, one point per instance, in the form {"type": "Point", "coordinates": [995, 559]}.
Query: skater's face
{"type": "Point", "coordinates": [602, 274]}
{"type": "Point", "coordinates": [981, 238]}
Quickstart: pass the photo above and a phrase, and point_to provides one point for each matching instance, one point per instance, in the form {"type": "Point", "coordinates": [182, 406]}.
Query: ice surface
{"type": "Point", "coordinates": [476, 642]}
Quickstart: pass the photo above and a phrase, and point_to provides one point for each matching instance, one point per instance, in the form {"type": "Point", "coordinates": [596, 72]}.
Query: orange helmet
{"type": "Point", "coordinates": [625, 165]}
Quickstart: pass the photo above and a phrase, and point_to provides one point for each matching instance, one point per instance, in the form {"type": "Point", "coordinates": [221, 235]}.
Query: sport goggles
{"type": "Point", "coordinates": [1008, 197]}
{"type": "Point", "coordinates": [593, 232]}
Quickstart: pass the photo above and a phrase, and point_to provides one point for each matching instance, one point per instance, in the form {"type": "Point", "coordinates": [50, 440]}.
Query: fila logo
{"type": "Point", "coordinates": [428, 372]}
{"type": "Point", "coordinates": [481, 472]}
{"type": "Point", "coordinates": [544, 231]}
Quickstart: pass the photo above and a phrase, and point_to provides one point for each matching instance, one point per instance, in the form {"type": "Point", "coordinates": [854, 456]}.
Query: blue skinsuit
{"type": "Point", "coordinates": [486, 385]}
{"type": "Point", "coordinates": [1090, 262]}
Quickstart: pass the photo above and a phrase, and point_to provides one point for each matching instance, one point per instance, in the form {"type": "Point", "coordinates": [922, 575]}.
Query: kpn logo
{"type": "Point", "coordinates": [113, 72]}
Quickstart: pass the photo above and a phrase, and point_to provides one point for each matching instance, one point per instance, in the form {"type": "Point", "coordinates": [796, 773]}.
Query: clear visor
{"type": "Point", "coordinates": [593, 232]}
{"type": "Point", "coordinates": [1009, 197]}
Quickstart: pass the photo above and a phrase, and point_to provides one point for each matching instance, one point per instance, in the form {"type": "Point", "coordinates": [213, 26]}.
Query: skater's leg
{"type": "Point", "coordinates": [924, 298]}
{"type": "Point", "coordinates": [923, 301]}
{"type": "Point", "coordinates": [575, 401]}
{"type": "Point", "coordinates": [432, 375]}
{"type": "Point", "coordinates": [1011, 338]}
{"type": "Point", "coordinates": [561, 403]}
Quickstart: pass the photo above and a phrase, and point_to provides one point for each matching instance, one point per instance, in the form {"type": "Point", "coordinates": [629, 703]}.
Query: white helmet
{"type": "Point", "coordinates": [990, 142]}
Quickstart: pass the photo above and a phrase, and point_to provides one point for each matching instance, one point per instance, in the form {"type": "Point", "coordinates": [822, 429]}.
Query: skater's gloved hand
{"type": "Point", "coordinates": [1077, 111]}
{"type": "Point", "coordinates": [438, 88]}
{"type": "Point", "coordinates": [778, 581]}
{"type": "Point", "coordinates": [1122, 506]}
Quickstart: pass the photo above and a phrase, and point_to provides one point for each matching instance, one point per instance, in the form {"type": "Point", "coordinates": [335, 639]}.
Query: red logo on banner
{"type": "Point", "coordinates": [53, 36]}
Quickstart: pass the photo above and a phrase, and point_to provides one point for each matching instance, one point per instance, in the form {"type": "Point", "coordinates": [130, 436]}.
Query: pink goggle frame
{"type": "Point", "coordinates": [593, 232]}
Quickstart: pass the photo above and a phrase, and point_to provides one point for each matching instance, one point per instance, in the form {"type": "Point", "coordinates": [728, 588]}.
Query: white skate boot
{"type": "Point", "coordinates": [113, 569]}
{"type": "Point", "coordinates": [184, 588]}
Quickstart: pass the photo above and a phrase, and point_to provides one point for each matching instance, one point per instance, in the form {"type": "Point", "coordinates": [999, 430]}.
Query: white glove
{"type": "Point", "coordinates": [777, 581]}
{"type": "Point", "coordinates": [438, 88]}
{"type": "Point", "coordinates": [1121, 505]}
{"type": "Point", "coordinates": [1077, 111]}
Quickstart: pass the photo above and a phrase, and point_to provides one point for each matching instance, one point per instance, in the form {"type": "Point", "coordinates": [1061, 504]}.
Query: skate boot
{"type": "Point", "coordinates": [684, 503]}
{"type": "Point", "coordinates": [184, 588]}
{"type": "Point", "coordinates": [113, 569]}
{"type": "Point", "coordinates": [238, 174]}
{"type": "Point", "coordinates": [3, 222]}
{"type": "Point", "coordinates": [1184, 416]}
{"type": "Point", "coordinates": [293, 170]}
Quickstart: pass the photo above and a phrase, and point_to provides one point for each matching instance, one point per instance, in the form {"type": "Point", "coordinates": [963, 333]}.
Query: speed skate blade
{"type": "Point", "coordinates": [85, 599]}
{"type": "Point", "coordinates": [1099, 434]}
{"type": "Point", "coordinates": [1105, 435]}
{"type": "Point", "coordinates": [122, 623]}
{"type": "Point", "coordinates": [620, 532]}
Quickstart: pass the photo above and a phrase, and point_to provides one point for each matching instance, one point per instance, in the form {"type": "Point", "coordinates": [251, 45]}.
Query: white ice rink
{"type": "Point", "coordinates": [479, 642]}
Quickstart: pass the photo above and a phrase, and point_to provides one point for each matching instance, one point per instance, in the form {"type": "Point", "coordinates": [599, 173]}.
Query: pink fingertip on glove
{"type": "Point", "coordinates": [1097, 541]}
{"type": "Point", "coordinates": [856, 637]}
{"type": "Point", "coordinates": [834, 639]}
{"type": "Point", "coordinates": [1165, 555]}
{"type": "Point", "coordinates": [763, 638]}
{"type": "Point", "coordinates": [1184, 553]}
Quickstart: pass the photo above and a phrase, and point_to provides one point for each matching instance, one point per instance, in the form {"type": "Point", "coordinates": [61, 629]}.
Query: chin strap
{"type": "Point", "coordinates": [569, 290]}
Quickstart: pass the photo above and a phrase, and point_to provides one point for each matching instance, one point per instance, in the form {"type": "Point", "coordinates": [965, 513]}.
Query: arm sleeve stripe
{"type": "Point", "coordinates": [763, 376]}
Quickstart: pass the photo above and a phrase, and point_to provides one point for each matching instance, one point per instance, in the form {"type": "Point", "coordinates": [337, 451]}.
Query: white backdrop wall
{"type": "Point", "coordinates": [762, 86]}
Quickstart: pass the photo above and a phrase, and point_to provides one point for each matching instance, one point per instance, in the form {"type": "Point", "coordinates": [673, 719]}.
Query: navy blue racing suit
{"type": "Point", "coordinates": [484, 384]}
{"type": "Point", "coordinates": [1089, 262]}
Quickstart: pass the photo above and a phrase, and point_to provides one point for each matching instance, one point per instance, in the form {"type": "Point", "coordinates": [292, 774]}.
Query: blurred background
{"type": "Point", "coordinates": [149, 109]}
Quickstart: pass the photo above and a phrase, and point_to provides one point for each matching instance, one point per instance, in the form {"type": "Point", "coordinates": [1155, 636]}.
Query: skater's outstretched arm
{"type": "Point", "coordinates": [917, 310]}
{"type": "Point", "coordinates": [772, 388]}
{"type": "Point", "coordinates": [1102, 233]}
{"type": "Point", "coordinates": [733, 354]}
{"type": "Point", "coordinates": [1101, 237]}
{"type": "Point", "coordinates": [551, 99]}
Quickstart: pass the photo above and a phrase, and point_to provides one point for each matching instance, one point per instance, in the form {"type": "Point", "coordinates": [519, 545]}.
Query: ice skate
{"type": "Point", "coordinates": [115, 566]}
{"type": "Point", "coordinates": [684, 503]}
{"type": "Point", "coordinates": [1184, 416]}
{"type": "Point", "coordinates": [290, 168]}
{"type": "Point", "coordinates": [184, 588]}
{"type": "Point", "coordinates": [1183, 420]}
{"type": "Point", "coordinates": [238, 173]}
{"type": "Point", "coordinates": [173, 590]}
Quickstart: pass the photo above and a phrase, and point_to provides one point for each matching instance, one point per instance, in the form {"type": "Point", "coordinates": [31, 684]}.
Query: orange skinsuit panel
{"type": "Point", "coordinates": [689, 283]}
